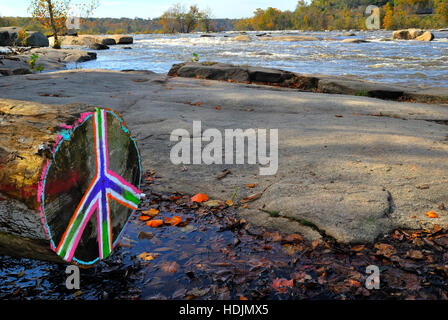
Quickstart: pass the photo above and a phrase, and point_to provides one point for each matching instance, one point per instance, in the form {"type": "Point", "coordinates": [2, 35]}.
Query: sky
{"type": "Point", "coordinates": [155, 8]}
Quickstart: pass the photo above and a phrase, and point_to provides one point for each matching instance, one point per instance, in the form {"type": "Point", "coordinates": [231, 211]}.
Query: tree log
{"type": "Point", "coordinates": [69, 179]}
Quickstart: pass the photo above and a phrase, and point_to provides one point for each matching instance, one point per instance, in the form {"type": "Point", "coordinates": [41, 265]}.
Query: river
{"type": "Point", "coordinates": [412, 63]}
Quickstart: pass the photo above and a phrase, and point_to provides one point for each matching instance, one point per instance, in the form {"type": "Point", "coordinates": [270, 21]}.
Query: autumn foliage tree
{"type": "Point", "coordinates": [53, 14]}
{"type": "Point", "coordinates": [178, 19]}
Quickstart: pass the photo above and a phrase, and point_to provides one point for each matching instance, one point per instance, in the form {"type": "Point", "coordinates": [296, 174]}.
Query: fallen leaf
{"type": "Point", "coordinates": [251, 185]}
{"type": "Point", "coordinates": [357, 248]}
{"type": "Point", "coordinates": [145, 235]}
{"type": "Point", "coordinates": [151, 212]}
{"type": "Point", "coordinates": [144, 218]}
{"type": "Point", "coordinates": [354, 283]}
{"type": "Point", "coordinates": [251, 198]}
{"type": "Point", "coordinates": [385, 250]}
{"type": "Point", "coordinates": [148, 256]}
{"type": "Point", "coordinates": [174, 221]}
{"type": "Point", "coordinates": [77, 293]}
{"type": "Point", "coordinates": [243, 298]}
{"type": "Point", "coordinates": [415, 254]}
{"type": "Point", "coordinates": [213, 203]}
{"type": "Point", "coordinates": [229, 203]}
{"type": "Point", "coordinates": [170, 267]}
{"type": "Point", "coordinates": [154, 223]}
{"type": "Point", "coordinates": [223, 174]}
{"type": "Point", "coordinates": [339, 116]}
{"type": "Point", "coordinates": [292, 238]}
{"type": "Point", "coordinates": [432, 214]}
{"type": "Point", "coordinates": [315, 244]}
{"type": "Point", "coordinates": [281, 285]}
{"type": "Point", "coordinates": [218, 108]}
{"type": "Point", "coordinates": [200, 197]}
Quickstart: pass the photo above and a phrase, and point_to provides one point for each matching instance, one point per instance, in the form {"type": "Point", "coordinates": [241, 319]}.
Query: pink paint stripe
{"type": "Point", "coordinates": [81, 231]}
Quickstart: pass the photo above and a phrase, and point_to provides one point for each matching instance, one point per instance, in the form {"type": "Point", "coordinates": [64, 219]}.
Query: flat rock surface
{"type": "Point", "coordinates": [351, 167]}
{"type": "Point", "coordinates": [49, 59]}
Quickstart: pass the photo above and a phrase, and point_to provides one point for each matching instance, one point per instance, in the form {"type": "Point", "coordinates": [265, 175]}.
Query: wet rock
{"type": "Point", "coordinates": [427, 36]}
{"type": "Point", "coordinates": [98, 46]}
{"type": "Point", "coordinates": [221, 71]}
{"type": "Point", "coordinates": [121, 39]}
{"type": "Point", "coordinates": [354, 41]}
{"type": "Point", "coordinates": [84, 40]}
{"type": "Point", "coordinates": [242, 38]}
{"type": "Point", "coordinates": [408, 34]}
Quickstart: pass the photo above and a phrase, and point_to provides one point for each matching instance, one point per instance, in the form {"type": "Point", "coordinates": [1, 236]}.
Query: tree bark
{"type": "Point", "coordinates": [48, 160]}
{"type": "Point", "coordinates": [53, 25]}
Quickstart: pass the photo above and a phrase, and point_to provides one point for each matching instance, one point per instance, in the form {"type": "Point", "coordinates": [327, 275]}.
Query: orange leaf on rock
{"type": "Point", "coordinates": [251, 185]}
{"type": "Point", "coordinates": [144, 218]}
{"type": "Point", "coordinates": [174, 221]}
{"type": "Point", "coordinates": [151, 212]}
{"type": "Point", "coordinates": [200, 197]}
{"type": "Point", "coordinates": [432, 214]}
{"type": "Point", "coordinates": [154, 223]}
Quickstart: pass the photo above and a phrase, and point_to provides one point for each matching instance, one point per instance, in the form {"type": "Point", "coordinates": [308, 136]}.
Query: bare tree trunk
{"type": "Point", "coordinates": [53, 24]}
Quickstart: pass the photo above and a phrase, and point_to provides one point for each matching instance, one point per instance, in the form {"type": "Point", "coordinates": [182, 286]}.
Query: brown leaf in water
{"type": "Point", "coordinates": [154, 223]}
{"type": "Point", "coordinates": [148, 256]}
{"type": "Point", "coordinates": [281, 285]}
{"type": "Point", "coordinates": [415, 254]}
{"type": "Point", "coordinates": [358, 248]}
{"type": "Point", "coordinates": [385, 250]}
{"type": "Point", "coordinates": [170, 267]}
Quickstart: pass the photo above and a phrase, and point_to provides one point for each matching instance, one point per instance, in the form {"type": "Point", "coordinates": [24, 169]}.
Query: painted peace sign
{"type": "Point", "coordinates": [95, 169]}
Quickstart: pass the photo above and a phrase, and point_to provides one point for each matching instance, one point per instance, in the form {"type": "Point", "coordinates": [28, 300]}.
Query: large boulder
{"type": "Point", "coordinates": [122, 39]}
{"type": "Point", "coordinates": [36, 39]}
{"type": "Point", "coordinates": [408, 34]}
{"type": "Point", "coordinates": [427, 36]}
{"type": "Point", "coordinates": [98, 46]}
{"type": "Point", "coordinates": [8, 36]}
{"type": "Point", "coordinates": [245, 74]}
{"type": "Point", "coordinates": [84, 40]}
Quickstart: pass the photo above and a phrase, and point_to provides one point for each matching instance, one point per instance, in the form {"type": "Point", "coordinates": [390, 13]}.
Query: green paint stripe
{"type": "Point", "coordinates": [99, 129]}
{"type": "Point", "coordinates": [70, 236]}
{"type": "Point", "coordinates": [130, 197]}
{"type": "Point", "coordinates": [106, 249]}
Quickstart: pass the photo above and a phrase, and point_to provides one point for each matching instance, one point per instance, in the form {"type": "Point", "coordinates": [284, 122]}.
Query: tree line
{"type": "Point", "coordinates": [349, 14]}
{"type": "Point", "coordinates": [315, 15]}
